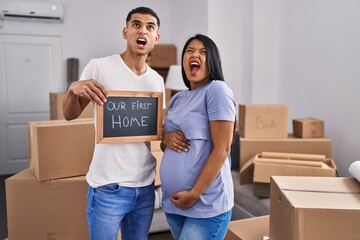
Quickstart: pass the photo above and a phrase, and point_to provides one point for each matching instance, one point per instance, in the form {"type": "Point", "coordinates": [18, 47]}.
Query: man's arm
{"type": "Point", "coordinates": [78, 96]}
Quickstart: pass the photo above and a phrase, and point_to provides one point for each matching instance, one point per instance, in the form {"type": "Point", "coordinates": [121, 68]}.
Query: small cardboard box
{"type": "Point", "coordinates": [56, 107]}
{"type": "Point", "coordinates": [250, 147]}
{"type": "Point", "coordinates": [162, 56]}
{"type": "Point", "coordinates": [46, 210]}
{"type": "Point", "coordinates": [263, 121]}
{"type": "Point", "coordinates": [60, 148]}
{"type": "Point", "coordinates": [248, 229]}
{"type": "Point", "coordinates": [308, 128]}
{"type": "Point", "coordinates": [313, 208]}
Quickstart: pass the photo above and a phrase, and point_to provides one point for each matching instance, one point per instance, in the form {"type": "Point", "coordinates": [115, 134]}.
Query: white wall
{"type": "Point", "coordinates": [231, 27]}
{"type": "Point", "coordinates": [319, 69]}
{"type": "Point", "coordinates": [92, 28]}
{"type": "Point", "coordinates": [305, 54]}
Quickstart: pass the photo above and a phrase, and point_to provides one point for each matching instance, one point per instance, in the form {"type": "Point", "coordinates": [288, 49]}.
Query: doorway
{"type": "Point", "coordinates": [30, 68]}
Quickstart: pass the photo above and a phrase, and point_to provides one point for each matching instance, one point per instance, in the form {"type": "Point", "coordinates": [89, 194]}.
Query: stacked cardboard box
{"type": "Point", "coordinates": [264, 128]}
{"type": "Point", "coordinates": [48, 200]}
{"type": "Point", "coordinates": [56, 107]}
{"type": "Point", "coordinates": [308, 128]}
{"type": "Point", "coordinates": [60, 148]}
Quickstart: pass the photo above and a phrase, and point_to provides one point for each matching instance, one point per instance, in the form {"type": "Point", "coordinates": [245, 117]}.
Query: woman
{"type": "Point", "coordinates": [198, 130]}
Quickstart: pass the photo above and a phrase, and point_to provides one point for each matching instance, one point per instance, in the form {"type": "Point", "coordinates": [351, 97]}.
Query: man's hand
{"type": "Point", "coordinates": [89, 89]}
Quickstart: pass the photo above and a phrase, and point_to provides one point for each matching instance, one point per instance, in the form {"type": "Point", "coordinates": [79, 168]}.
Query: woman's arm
{"type": "Point", "coordinates": [221, 135]}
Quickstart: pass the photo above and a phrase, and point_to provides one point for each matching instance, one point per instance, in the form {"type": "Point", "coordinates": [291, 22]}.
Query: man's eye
{"type": "Point", "coordinates": [136, 25]}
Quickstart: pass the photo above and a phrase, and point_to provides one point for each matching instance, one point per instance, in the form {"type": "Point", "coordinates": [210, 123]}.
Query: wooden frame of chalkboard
{"type": "Point", "coordinates": [130, 116]}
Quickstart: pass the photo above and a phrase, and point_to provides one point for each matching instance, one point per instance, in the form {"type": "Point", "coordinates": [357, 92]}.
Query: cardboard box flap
{"type": "Point", "coordinates": [323, 184]}
{"type": "Point", "coordinates": [315, 200]}
{"type": "Point", "coordinates": [254, 228]}
{"type": "Point", "coordinates": [247, 171]}
{"type": "Point", "coordinates": [27, 176]}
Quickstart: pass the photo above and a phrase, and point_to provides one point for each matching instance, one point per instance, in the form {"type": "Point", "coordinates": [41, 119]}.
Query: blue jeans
{"type": "Point", "coordinates": [111, 207]}
{"type": "Point", "coordinates": [185, 228]}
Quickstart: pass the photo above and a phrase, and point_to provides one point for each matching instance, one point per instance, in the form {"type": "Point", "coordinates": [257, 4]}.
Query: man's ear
{"type": "Point", "coordinates": [124, 32]}
{"type": "Point", "coordinates": [157, 38]}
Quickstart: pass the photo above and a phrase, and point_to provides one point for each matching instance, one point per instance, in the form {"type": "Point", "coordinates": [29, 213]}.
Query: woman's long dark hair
{"type": "Point", "coordinates": [213, 60]}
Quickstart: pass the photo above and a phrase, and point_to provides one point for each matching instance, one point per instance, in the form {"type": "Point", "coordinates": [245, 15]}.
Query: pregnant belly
{"type": "Point", "coordinates": [175, 174]}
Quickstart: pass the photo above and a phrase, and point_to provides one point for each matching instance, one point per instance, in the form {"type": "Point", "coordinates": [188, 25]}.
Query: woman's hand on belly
{"type": "Point", "coordinates": [184, 199]}
{"type": "Point", "coordinates": [176, 141]}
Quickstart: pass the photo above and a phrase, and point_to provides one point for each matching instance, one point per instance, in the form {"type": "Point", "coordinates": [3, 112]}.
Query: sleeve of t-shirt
{"type": "Point", "coordinates": [220, 102]}
{"type": "Point", "coordinates": [91, 71]}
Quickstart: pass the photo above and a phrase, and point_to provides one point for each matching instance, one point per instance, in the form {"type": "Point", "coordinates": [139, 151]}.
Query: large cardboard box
{"type": "Point", "coordinates": [162, 56]}
{"type": "Point", "coordinates": [60, 148]}
{"type": "Point", "coordinates": [56, 107]}
{"type": "Point", "coordinates": [46, 210]}
{"type": "Point", "coordinates": [261, 121]}
{"type": "Point", "coordinates": [308, 128]}
{"type": "Point", "coordinates": [250, 147]}
{"type": "Point", "coordinates": [248, 229]}
{"type": "Point", "coordinates": [313, 208]}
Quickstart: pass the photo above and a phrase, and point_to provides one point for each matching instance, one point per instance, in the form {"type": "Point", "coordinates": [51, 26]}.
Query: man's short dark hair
{"type": "Point", "coordinates": [143, 10]}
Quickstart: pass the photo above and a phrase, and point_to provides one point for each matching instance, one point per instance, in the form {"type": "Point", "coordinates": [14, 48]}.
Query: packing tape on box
{"type": "Point", "coordinates": [354, 169]}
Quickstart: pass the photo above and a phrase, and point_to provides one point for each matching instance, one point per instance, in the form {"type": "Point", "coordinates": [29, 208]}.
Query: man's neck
{"type": "Point", "coordinates": [135, 62]}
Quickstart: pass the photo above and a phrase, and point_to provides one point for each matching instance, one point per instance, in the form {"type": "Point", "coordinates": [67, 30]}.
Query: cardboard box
{"type": "Point", "coordinates": [308, 128]}
{"type": "Point", "coordinates": [260, 169]}
{"type": "Point", "coordinates": [313, 208]}
{"type": "Point", "coordinates": [250, 147]}
{"type": "Point", "coordinates": [56, 107]}
{"type": "Point", "coordinates": [248, 229]}
{"type": "Point", "coordinates": [46, 210]}
{"type": "Point", "coordinates": [162, 56]}
{"type": "Point", "coordinates": [156, 151]}
{"type": "Point", "coordinates": [263, 121]}
{"type": "Point", "coordinates": [60, 148]}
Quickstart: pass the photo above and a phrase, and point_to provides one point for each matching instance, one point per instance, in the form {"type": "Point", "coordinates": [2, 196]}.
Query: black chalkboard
{"type": "Point", "coordinates": [130, 117]}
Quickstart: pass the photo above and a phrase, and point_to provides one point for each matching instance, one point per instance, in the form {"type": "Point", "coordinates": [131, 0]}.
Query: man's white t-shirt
{"type": "Point", "coordinates": [128, 164]}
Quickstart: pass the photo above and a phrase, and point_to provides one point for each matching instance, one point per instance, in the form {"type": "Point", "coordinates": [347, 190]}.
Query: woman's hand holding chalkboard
{"type": "Point", "coordinates": [91, 90]}
{"type": "Point", "coordinates": [176, 141]}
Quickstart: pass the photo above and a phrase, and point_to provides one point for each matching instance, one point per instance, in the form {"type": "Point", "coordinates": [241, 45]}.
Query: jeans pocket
{"type": "Point", "coordinates": [112, 187]}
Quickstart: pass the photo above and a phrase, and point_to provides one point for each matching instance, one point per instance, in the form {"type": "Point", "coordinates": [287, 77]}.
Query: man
{"type": "Point", "coordinates": [121, 175]}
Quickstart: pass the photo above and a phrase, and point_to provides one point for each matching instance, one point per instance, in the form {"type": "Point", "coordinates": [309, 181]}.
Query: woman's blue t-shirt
{"type": "Point", "coordinates": [190, 112]}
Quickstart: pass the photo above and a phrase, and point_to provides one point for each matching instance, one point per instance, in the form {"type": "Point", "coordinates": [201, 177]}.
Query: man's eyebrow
{"type": "Point", "coordinates": [135, 21]}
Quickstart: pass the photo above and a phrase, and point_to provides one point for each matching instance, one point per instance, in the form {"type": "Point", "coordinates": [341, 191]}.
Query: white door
{"type": "Point", "coordinates": [30, 68]}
